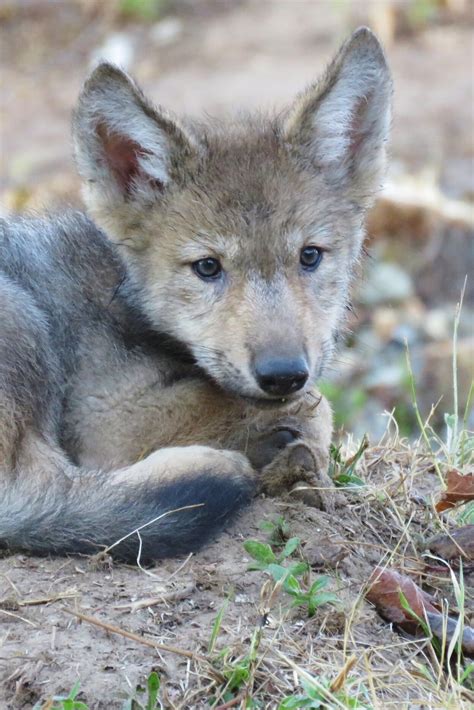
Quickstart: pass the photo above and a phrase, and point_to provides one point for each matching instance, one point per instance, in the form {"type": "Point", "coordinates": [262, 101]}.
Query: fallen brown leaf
{"type": "Point", "coordinates": [384, 591]}
{"type": "Point", "coordinates": [460, 489]}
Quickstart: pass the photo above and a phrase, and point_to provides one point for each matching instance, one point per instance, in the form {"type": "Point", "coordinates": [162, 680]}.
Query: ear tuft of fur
{"type": "Point", "coordinates": [127, 151]}
{"type": "Point", "coordinates": [340, 125]}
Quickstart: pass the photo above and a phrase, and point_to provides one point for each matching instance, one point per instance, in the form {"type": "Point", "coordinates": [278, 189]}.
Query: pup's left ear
{"type": "Point", "coordinates": [128, 153]}
{"type": "Point", "coordinates": [340, 125]}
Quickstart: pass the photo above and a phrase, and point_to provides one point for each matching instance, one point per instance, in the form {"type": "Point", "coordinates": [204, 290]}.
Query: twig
{"type": "Point", "coordinates": [180, 567]}
{"type": "Point", "coordinates": [232, 703]}
{"type": "Point", "coordinates": [149, 522]}
{"type": "Point", "coordinates": [174, 595]}
{"type": "Point", "coordinates": [43, 600]}
{"type": "Point", "coordinates": [341, 677]}
{"type": "Point", "coordinates": [17, 616]}
{"type": "Point", "coordinates": [139, 639]}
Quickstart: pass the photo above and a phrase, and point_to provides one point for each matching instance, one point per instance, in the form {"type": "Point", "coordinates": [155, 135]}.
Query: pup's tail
{"type": "Point", "coordinates": [144, 512]}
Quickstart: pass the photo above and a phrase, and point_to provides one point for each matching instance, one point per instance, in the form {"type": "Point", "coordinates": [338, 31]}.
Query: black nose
{"type": "Point", "coordinates": [280, 376]}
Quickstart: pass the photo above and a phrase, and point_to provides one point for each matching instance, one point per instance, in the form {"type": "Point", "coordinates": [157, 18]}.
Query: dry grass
{"type": "Point", "coordinates": [262, 651]}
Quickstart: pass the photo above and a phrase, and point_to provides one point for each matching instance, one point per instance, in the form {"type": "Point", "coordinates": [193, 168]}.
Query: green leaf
{"type": "Point", "coordinates": [299, 568]}
{"type": "Point", "coordinates": [257, 566]}
{"type": "Point", "coordinates": [467, 672]}
{"type": "Point", "coordinates": [405, 604]}
{"type": "Point", "coordinates": [312, 606]}
{"type": "Point", "coordinates": [335, 452]}
{"type": "Point", "coordinates": [238, 675]}
{"type": "Point", "coordinates": [300, 600]}
{"type": "Point", "coordinates": [317, 600]}
{"type": "Point", "coordinates": [318, 584]}
{"type": "Point", "coordinates": [316, 694]}
{"type": "Point", "coordinates": [153, 685]}
{"type": "Point", "coordinates": [290, 547]}
{"type": "Point", "coordinates": [324, 598]}
{"type": "Point", "coordinates": [292, 586]}
{"type": "Point", "coordinates": [450, 421]}
{"type": "Point", "coordinates": [277, 571]}
{"type": "Point", "coordinates": [142, 9]}
{"type": "Point", "coordinates": [294, 702]}
{"type": "Point", "coordinates": [260, 551]}
{"type": "Point", "coordinates": [348, 479]}
{"type": "Point", "coordinates": [284, 574]}
{"type": "Point", "coordinates": [74, 691]}
{"type": "Point", "coordinates": [216, 627]}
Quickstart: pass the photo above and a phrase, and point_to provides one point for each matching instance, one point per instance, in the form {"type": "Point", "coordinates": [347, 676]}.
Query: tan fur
{"type": "Point", "coordinates": [123, 417]}
{"type": "Point", "coordinates": [137, 422]}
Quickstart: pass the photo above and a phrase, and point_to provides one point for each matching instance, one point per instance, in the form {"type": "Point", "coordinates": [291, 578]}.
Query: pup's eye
{"type": "Point", "coordinates": [207, 268]}
{"type": "Point", "coordinates": [310, 258]}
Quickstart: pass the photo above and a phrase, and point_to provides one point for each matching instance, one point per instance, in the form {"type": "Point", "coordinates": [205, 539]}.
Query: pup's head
{"type": "Point", "coordinates": [242, 237]}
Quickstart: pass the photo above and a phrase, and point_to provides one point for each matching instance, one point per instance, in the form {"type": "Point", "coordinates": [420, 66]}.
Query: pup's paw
{"type": "Point", "coordinates": [302, 472]}
{"type": "Point", "coordinates": [267, 447]}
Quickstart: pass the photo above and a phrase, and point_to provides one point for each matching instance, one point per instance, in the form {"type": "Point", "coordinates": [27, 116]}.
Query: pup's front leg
{"type": "Point", "coordinates": [288, 446]}
{"type": "Point", "coordinates": [120, 425]}
{"type": "Point", "coordinates": [134, 415]}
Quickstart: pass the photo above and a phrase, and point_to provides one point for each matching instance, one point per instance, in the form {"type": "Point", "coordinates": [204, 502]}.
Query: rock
{"type": "Point", "coordinates": [385, 377]}
{"type": "Point", "coordinates": [386, 283]}
{"type": "Point", "coordinates": [416, 224]}
{"type": "Point", "coordinates": [405, 333]}
{"type": "Point", "coordinates": [395, 324]}
{"type": "Point", "coordinates": [438, 324]}
{"type": "Point", "coordinates": [458, 543]}
{"type": "Point", "coordinates": [384, 322]}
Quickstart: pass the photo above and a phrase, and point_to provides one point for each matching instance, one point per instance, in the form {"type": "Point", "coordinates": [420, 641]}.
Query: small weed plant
{"type": "Point", "coordinates": [319, 694]}
{"type": "Point", "coordinates": [290, 574]}
{"type": "Point", "coordinates": [146, 698]}
{"type": "Point", "coordinates": [343, 471]}
{"type": "Point", "coordinates": [59, 702]}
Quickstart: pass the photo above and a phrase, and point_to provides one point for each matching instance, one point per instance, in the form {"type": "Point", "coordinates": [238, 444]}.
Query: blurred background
{"type": "Point", "coordinates": [217, 56]}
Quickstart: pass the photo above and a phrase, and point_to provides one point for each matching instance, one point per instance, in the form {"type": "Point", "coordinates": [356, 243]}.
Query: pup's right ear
{"type": "Point", "coordinates": [339, 126]}
{"type": "Point", "coordinates": [128, 152]}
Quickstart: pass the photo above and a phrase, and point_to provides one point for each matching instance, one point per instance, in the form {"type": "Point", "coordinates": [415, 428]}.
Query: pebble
{"type": "Point", "coordinates": [386, 283]}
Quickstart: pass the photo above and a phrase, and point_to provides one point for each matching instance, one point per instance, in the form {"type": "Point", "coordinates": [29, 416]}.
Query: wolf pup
{"type": "Point", "coordinates": [157, 364]}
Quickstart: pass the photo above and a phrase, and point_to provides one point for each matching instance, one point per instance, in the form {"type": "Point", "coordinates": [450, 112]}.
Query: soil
{"type": "Point", "coordinates": [45, 649]}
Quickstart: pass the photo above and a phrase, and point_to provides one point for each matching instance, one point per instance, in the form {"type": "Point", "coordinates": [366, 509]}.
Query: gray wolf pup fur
{"type": "Point", "coordinates": [162, 354]}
